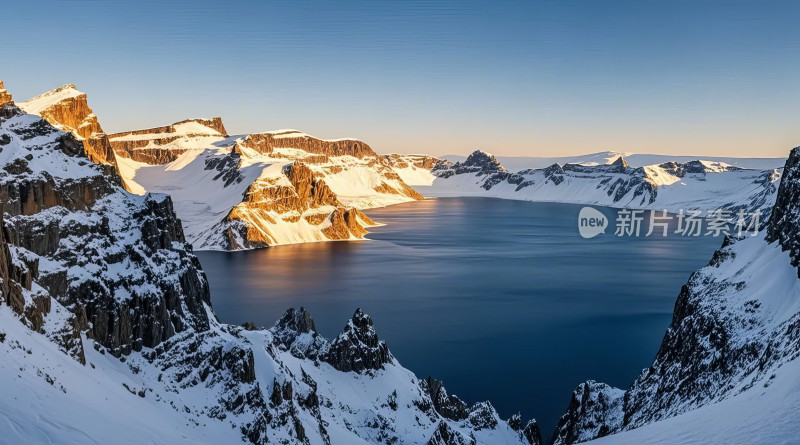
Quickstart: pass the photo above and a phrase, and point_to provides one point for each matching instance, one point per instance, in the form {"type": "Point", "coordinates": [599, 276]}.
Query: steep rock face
{"type": "Point", "coordinates": [593, 412]}
{"type": "Point", "coordinates": [265, 143]}
{"type": "Point", "coordinates": [147, 145]}
{"type": "Point", "coordinates": [67, 109]}
{"type": "Point", "coordinates": [299, 197]}
{"type": "Point", "coordinates": [129, 294]}
{"type": "Point", "coordinates": [16, 285]}
{"type": "Point", "coordinates": [311, 191]}
{"type": "Point", "coordinates": [785, 221]}
{"type": "Point", "coordinates": [733, 330]}
{"type": "Point", "coordinates": [5, 96]}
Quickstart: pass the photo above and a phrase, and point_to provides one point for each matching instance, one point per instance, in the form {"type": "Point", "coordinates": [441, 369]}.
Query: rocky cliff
{"type": "Point", "coordinates": [107, 330]}
{"type": "Point", "coordinates": [70, 213]}
{"type": "Point", "coordinates": [5, 96]}
{"type": "Point", "coordinates": [266, 143]}
{"type": "Point", "coordinates": [153, 145]}
{"type": "Point", "coordinates": [271, 203]}
{"type": "Point", "coordinates": [735, 330]}
{"type": "Point", "coordinates": [67, 109]}
{"type": "Point", "coordinates": [242, 192]}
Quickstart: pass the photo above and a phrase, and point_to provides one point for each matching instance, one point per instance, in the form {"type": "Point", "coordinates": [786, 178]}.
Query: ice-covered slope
{"type": "Point", "coordinates": [695, 185]}
{"type": "Point", "coordinates": [731, 351]}
{"type": "Point", "coordinates": [107, 333]}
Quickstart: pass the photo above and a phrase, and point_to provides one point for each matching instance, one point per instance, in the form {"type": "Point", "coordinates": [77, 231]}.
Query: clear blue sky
{"type": "Point", "coordinates": [514, 78]}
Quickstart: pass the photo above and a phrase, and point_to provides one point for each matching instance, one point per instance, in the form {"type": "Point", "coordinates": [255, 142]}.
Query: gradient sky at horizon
{"type": "Point", "coordinates": [539, 78]}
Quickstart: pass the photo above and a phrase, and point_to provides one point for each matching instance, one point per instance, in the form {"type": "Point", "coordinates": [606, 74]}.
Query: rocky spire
{"type": "Point", "coordinates": [621, 162]}
{"type": "Point", "coordinates": [5, 97]}
{"type": "Point", "coordinates": [358, 348]}
{"type": "Point", "coordinates": [784, 225]}
{"type": "Point", "coordinates": [620, 165]}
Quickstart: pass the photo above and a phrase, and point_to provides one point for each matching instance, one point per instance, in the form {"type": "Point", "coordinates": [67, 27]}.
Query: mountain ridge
{"type": "Point", "coordinates": [271, 207]}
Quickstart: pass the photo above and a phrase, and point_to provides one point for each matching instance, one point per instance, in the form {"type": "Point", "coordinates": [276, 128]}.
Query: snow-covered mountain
{"type": "Point", "coordinates": [242, 191]}
{"type": "Point", "coordinates": [694, 185]}
{"type": "Point", "coordinates": [68, 110]}
{"type": "Point", "coordinates": [108, 335]}
{"type": "Point", "coordinates": [728, 368]}
{"type": "Point", "coordinates": [516, 163]}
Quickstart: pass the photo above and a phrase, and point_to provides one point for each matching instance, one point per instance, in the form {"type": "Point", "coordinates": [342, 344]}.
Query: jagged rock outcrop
{"type": "Point", "coordinates": [730, 334]}
{"type": "Point", "coordinates": [448, 406]}
{"type": "Point", "coordinates": [445, 435]}
{"type": "Point", "coordinates": [593, 412]}
{"type": "Point", "coordinates": [5, 96]}
{"type": "Point", "coordinates": [478, 162]}
{"type": "Point", "coordinates": [358, 348]}
{"type": "Point", "coordinates": [300, 197]}
{"type": "Point", "coordinates": [785, 220]}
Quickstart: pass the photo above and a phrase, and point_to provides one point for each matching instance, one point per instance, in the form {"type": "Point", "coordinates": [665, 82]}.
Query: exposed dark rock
{"type": "Point", "coordinates": [358, 348]}
{"type": "Point", "coordinates": [444, 435]}
{"type": "Point", "coordinates": [126, 145]}
{"type": "Point", "coordinates": [448, 406]}
{"type": "Point", "coordinates": [785, 221]}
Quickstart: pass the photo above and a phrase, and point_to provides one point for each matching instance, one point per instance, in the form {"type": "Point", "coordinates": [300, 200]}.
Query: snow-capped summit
{"type": "Point", "coordinates": [68, 110]}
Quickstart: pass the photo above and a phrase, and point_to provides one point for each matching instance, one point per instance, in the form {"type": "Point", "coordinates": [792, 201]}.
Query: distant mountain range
{"type": "Point", "coordinates": [515, 163]}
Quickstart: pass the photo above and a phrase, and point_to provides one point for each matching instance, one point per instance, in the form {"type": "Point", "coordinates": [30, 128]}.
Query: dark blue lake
{"type": "Point", "coordinates": [502, 300]}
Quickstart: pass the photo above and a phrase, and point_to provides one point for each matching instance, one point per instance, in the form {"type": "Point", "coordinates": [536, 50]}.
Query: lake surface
{"type": "Point", "coordinates": [502, 300]}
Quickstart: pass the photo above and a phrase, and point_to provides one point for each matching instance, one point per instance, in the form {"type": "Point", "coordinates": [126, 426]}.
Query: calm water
{"type": "Point", "coordinates": [502, 300]}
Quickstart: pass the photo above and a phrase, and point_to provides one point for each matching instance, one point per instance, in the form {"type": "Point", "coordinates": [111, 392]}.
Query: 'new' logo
{"type": "Point", "coordinates": [591, 222]}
